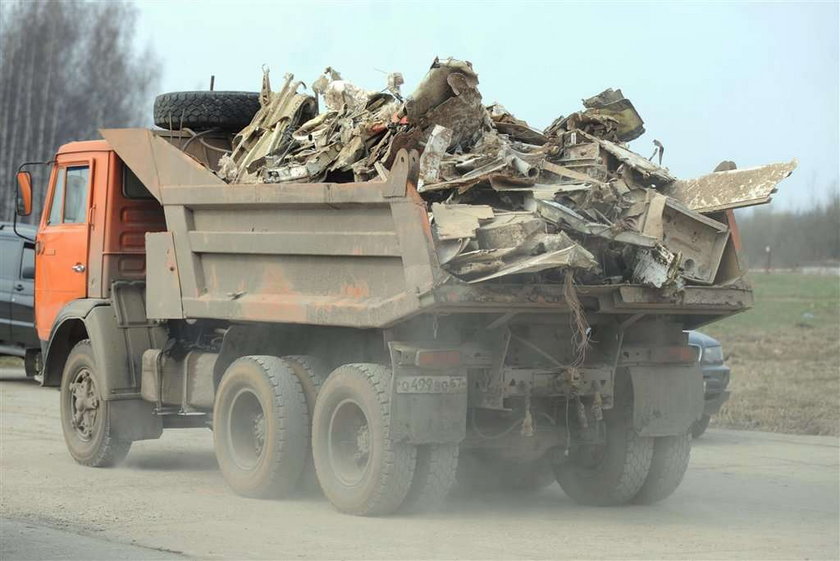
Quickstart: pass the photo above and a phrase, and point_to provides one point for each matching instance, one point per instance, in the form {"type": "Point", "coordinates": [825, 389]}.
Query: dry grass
{"type": "Point", "coordinates": [10, 362]}
{"type": "Point", "coordinates": [785, 357]}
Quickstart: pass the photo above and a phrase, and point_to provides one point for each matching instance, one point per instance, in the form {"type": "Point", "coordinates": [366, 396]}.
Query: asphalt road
{"type": "Point", "coordinates": [746, 495]}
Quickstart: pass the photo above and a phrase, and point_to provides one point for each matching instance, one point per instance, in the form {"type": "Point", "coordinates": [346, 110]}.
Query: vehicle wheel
{"type": "Point", "coordinates": [611, 473]}
{"type": "Point", "coordinates": [434, 476]}
{"type": "Point", "coordinates": [261, 427]}
{"type": "Point", "coordinates": [700, 426]}
{"type": "Point", "coordinates": [311, 373]}
{"type": "Point", "coordinates": [85, 416]}
{"type": "Point", "coordinates": [360, 468]}
{"type": "Point", "coordinates": [230, 111]}
{"type": "Point", "coordinates": [667, 468]}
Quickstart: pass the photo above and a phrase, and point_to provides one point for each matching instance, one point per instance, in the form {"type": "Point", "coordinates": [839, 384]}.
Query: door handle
{"type": "Point", "coordinates": [19, 287]}
{"type": "Point", "coordinates": [78, 267]}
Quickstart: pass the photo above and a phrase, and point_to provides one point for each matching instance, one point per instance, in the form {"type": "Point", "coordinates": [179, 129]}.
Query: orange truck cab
{"type": "Point", "coordinates": [91, 235]}
{"type": "Point", "coordinates": [92, 230]}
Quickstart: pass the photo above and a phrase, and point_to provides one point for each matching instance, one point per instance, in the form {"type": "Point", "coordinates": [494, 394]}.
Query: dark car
{"type": "Point", "coordinates": [17, 290]}
{"type": "Point", "coordinates": [715, 377]}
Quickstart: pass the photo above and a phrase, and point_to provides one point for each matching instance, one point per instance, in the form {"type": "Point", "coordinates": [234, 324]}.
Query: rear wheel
{"type": "Point", "coordinates": [85, 416]}
{"type": "Point", "coordinates": [611, 473]}
{"type": "Point", "coordinates": [261, 427]}
{"type": "Point", "coordinates": [311, 373]}
{"type": "Point", "coordinates": [360, 468]}
{"type": "Point", "coordinates": [667, 468]}
{"type": "Point", "coordinates": [434, 476]}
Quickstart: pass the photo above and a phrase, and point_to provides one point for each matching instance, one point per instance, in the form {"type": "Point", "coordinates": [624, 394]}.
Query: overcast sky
{"type": "Point", "coordinates": [750, 82]}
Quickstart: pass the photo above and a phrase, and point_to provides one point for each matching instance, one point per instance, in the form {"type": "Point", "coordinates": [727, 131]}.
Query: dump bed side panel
{"type": "Point", "coordinates": [324, 254]}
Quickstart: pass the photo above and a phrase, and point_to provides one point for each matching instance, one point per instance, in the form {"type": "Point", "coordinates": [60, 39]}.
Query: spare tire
{"type": "Point", "coordinates": [230, 111]}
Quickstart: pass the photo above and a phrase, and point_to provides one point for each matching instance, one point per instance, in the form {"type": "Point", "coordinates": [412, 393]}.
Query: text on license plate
{"type": "Point", "coordinates": [432, 384]}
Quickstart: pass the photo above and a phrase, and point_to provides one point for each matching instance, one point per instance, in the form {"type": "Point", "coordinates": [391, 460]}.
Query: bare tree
{"type": "Point", "coordinates": [67, 68]}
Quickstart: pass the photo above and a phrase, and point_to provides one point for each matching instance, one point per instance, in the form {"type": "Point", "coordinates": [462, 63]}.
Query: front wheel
{"type": "Point", "coordinates": [85, 416]}
{"type": "Point", "coordinates": [361, 469]}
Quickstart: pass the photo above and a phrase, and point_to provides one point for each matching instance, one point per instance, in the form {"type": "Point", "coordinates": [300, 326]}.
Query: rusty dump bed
{"type": "Point", "coordinates": [349, 254]}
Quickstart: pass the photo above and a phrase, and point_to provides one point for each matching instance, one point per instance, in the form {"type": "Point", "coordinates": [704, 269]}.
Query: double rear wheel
{"type": "Point", "coordinates": [262, 436]}
{"type": "Point", "coordinates": [261, 427]}
{"type": "Point", "coordinates": [362, 469]}
{"type": "Point", "coordinates": [627, 467]}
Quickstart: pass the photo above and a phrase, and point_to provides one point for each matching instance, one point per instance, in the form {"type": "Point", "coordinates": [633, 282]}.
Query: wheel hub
{"type": "Point", "coordinates": [247, 428]}
{"type": "Point", "coordinates": [349, 442]}
{"type": "Point", "coordinates": [84, 401]}
{"type": "Point", "coordinates": [259, 433]}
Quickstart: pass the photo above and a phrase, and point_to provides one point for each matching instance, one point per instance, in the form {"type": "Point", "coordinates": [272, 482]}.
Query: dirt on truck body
{"type": "Point", "coordinates": [383, 290]}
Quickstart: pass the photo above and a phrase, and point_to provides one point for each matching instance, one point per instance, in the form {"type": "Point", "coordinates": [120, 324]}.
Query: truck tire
{"type": "Point", "coordinates": [434, 476]}
{"type": "Point", "coordinates": [261, 427]}
{"type": "Point", "coordinates": [361, 469]}
{"type": "Point", "coordinates": [612, 473]}
{"type": "Point", "coordinates": [700, 426]}
{"type": "Point", "coordinates": [311, 373]}
{"type": "Point", "coordinates": [229, 111]}
{"type": "Point", "coordinates": [667, 468]}
{"type": "Point", "coordinates": [85, 416]}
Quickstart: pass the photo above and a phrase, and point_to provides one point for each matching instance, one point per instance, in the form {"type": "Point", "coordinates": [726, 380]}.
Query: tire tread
{"type": "Point", "coordinates": [671, 455]}
{"type": "Point", "coordinates": [112, 450]}
{"type": "Point", "coordinates": [205, 109]}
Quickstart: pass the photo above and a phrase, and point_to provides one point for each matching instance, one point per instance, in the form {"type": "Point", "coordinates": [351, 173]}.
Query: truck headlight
{"type": "Point", "coordinates": [713, 355]}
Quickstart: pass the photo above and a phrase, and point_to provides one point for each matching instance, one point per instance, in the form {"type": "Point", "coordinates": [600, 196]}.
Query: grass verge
{"type": "Point", "coordinates": [785, 356]}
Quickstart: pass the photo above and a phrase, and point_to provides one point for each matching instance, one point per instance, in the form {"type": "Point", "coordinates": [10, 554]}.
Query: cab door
{"type": "Point", "coordinates": [61, 250]}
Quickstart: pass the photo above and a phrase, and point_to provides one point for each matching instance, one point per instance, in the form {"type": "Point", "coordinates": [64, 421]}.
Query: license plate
{"type": "Point", "coordinates": [432, 384]}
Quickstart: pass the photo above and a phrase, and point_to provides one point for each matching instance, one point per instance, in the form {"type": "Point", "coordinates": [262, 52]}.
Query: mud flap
{"type": "Point", "coordinates": [429, 418]}
{"type": "Point", "coordinates": [667, 399]}
{"type": "Point", "coordinates": [134, 419]}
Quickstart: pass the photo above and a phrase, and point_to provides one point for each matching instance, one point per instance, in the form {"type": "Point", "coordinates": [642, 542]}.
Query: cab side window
{"type": "Point", "coordinates": [69, 204]}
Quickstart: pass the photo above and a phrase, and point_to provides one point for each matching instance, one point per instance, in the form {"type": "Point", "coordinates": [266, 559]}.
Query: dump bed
{"type": "Point", "coordinates": [348, 254]}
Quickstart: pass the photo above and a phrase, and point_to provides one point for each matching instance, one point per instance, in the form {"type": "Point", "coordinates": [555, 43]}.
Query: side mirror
{"type": "Point", "coordinates": [24, 201]}
{"type": "Point", "coordinates": [27, 273]}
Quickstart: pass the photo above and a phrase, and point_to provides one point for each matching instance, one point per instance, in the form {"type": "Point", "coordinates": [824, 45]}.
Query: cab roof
{"type": "Point", "coordinates": [85, 146]}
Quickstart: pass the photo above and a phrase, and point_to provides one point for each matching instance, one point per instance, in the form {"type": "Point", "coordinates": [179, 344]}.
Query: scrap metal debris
{"type": "Point", "coordinates": [504, 198]}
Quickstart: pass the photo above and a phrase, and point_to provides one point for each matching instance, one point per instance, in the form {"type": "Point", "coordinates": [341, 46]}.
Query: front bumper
{"type": "Point", "coordinates": [715, 382]}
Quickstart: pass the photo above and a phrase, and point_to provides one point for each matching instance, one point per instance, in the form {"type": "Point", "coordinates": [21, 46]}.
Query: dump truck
{"type": "Point", "coordinates": [314, 329]}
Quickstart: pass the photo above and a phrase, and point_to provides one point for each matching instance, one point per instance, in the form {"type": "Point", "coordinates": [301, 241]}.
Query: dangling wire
{"type": "Point", "coordinates": [577, 320]}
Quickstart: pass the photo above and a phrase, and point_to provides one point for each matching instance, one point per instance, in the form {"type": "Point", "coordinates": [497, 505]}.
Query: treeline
{"type": "Point", "coordinates": [795, 238]}
{"type": "Point", "coordinates": [67, 68]}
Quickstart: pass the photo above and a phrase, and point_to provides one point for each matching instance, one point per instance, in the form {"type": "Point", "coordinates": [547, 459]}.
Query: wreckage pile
{"type": "Point", "coordinates": [504, 198]}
